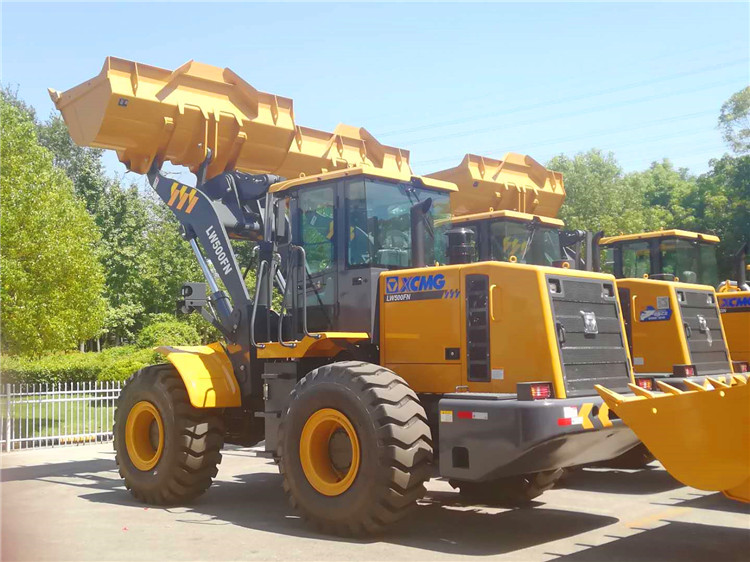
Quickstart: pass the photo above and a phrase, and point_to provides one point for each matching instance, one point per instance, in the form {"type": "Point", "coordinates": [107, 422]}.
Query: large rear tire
{"type": "Point", "coordinates": [355, 448]}
{"type": "Point", "coordinates": [166, 450]}
{"type": "Point", "coordinates": [512, 491]}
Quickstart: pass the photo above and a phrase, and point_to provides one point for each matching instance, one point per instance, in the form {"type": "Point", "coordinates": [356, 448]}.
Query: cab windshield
{"type": "Point", "coordinates": [379, 223]}
{"type": "Point", "coordinates": [529, 242]}
{"type": "Point", "coordinates": [691, 261]}
{"type": "Point", "coordinates": [688, 260]}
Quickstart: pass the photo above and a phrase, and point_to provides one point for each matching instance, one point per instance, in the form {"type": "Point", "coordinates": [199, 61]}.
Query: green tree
{"type": "Point", "coordinates": [664, 194]}
{"type": "Point", "coordinates": [722, 206]}
{"type": "Point", "coordinates": [83, 165]}
{"type": "Point", "coordinates": [734, 121]}
{"type": "Point", "coordinates": [52, 283]}
{"type": "Point", "coordinates": [167, 262]}
{"type": "Point", "coordinates": [123, 220]}
{"type": "Point", "coordinates": [599, 198]}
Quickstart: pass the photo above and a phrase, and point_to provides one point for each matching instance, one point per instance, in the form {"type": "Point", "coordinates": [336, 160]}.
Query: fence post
{"type": "Point", "coordinates": [6, 443]}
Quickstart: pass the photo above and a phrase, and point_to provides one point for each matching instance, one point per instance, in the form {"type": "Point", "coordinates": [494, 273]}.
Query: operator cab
{"type": "Point", "coordinates": [354, 224]}
{"type": "Point", "coordinates": [670, 255]}
{"type": "Point", "coordinates": [511, 236]}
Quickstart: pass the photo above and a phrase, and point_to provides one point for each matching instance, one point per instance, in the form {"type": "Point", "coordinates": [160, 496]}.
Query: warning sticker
{"type": "Point", "coordinates": [446, 416]}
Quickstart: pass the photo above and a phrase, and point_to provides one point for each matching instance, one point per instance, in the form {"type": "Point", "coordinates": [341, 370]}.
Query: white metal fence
{"type": "Point", "coordinates": [47, 415]}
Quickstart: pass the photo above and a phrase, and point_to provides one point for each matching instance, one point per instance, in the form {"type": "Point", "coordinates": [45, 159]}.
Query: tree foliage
{"type": "Point", "coordinates": [734, 121]}
{"type": "Point", "coordinates": [599, 198]}
{"type": "Point", "coordinates": [52, 282]}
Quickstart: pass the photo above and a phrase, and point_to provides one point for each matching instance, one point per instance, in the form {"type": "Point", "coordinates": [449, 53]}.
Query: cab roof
{"type": "Point", "coordinates": [674, 233]}
{"type": "Point", "coordinates": [507, 214]}
{"type": "Point", "coordinates": [365, 170]}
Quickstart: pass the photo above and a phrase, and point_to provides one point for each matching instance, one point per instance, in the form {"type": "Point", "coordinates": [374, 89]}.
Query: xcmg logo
{"type": "Point", "coordinates": [414, 284]}
{"type": "Point", "coordinates": [734, 302]}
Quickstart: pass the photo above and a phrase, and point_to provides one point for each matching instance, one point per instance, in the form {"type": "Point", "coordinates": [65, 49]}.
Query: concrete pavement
{"type": "Point", "coordinates": [69, 504]}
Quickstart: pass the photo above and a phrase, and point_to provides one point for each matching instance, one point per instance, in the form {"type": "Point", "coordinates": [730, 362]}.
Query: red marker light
{"type": "Point", "coordinates": [646, 384]}
{"type": "Point", "coordinates": [541, 391]}
{"type": "Point", "coordinates": [684, 370]}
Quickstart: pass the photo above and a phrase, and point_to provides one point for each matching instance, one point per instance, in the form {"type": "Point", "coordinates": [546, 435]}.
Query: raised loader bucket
{"type": "Point", "coordinates": [701, 436]}
{"type": "Point", "coordinates": [515, 183]}
{"type": "Point", "coordinates": [150, 114]}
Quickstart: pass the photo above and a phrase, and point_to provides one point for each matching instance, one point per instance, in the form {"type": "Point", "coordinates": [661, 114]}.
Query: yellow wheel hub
{"type": "Point", "coordinates": [329, 452]}
{"type": "Point", "coordinates": [144, 435]}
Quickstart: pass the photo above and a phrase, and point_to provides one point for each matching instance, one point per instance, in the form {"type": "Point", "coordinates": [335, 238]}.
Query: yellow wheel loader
{"type": "Point", "coordinates": [381, 368]}
{"type": "Point", "coordinates": [666, 280]}
{"type": "Point", "coordinates": [508, 207]}
{"type": "Point", "coordinates": [734, 302]}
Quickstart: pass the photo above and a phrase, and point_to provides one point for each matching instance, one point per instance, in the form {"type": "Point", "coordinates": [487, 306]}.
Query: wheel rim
{"type": "Point", "coordinates": [144, 435]}
{"type": "Point", "coordinates": [329, 452]}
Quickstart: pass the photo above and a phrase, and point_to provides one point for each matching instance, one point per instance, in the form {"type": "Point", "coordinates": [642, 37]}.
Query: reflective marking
{"type": "Point", "coordinates": [584, 413]}
{"type": "Point", "coordinates": [466, 415]}
{"type": "Point", "coordinates": [604, 415]}
{"type": "Point", "coordinates": [570, 412]}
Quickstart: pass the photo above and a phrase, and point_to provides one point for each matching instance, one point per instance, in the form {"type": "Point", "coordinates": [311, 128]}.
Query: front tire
{"type": "Point", "coordinates": [355, 448]}
{"type": "Point", "coordinates": [166, 450]}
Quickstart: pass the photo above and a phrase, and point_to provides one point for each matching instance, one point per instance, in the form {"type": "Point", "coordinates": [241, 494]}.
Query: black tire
{"type": "Point", "coordinates": [394, 441]}
{"type": "Point", "coordinates": [636, 458]}
{"type": "Point", "coordinates": [192, 439]}
{"type": "Point", "coordinates": [512, 491]}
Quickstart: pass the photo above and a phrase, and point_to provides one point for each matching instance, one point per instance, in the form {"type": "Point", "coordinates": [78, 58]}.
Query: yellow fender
{"type": "Point", "coordinates": [207, 373]}
{"type": "Point", "coordinates": [701, 436]}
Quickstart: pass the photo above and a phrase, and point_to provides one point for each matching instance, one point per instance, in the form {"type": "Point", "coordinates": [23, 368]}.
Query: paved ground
{"type": "Point", "coordinates": [68, 503]}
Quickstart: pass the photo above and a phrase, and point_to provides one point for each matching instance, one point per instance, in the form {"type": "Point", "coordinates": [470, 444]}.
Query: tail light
{"type": "Point", "coordinates": [534, 390]}
{"type": "Point", "coordinates": [684, 370]}
{"type": "Point", "coordinates": [740, 366]}
{"type": "Point", "coordinates": [645, 383]}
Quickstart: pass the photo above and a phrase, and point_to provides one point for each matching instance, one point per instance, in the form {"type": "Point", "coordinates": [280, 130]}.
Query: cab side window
{"type": "Point", "coordinates": [316, 220]}
{"type": "Point", "coordinates": [636, 259]}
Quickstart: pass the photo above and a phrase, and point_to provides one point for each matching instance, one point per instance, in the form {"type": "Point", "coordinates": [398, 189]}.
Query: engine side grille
{"type": "Point", "coordinates": [708, 350]}
{"type": "Point", "coordinates": [477, 327]}
{"type": "Point", "coordinates": [589, 334]}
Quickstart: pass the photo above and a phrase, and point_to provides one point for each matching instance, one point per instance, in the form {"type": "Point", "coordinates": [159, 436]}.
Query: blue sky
{"type": "Point", "coordinates": [645, 81]}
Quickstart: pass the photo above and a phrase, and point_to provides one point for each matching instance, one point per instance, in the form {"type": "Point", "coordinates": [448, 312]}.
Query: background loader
{"type": "Point", "coordinates": [379, 369]}
{"type": "Point", "coordinates": [674, 328]}
{"type": "Point", "coordinates": [734, 302]}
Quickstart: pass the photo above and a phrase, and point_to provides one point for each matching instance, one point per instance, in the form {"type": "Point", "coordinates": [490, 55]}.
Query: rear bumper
{"type": "Point", "coordinates": [487, 436]}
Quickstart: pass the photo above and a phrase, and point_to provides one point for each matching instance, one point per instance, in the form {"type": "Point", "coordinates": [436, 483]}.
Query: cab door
{"type": "Point", "coordinates": [315, 230]}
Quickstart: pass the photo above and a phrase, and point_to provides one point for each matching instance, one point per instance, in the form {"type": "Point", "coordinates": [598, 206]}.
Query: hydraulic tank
{"type": "Point", "coordinates": [149, 114]}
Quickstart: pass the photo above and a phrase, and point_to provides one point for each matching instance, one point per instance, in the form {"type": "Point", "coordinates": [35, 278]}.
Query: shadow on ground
{"type": "Point", "coordinates": [78, 469]}
{"type": "Point", "coordinates": [256, 501]}
{"type": "Point", "coordinates": [613, 481]}
{"type": "Point", "coordinates": [716, 501]}
{"type": "Point", "coordinates": [686, 542]}
{"type": "Point", "coordinates": [442, 523]}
